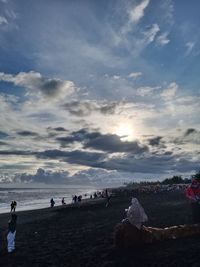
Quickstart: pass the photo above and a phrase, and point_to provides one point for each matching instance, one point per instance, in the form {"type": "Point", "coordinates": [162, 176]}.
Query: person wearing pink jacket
{"type": "Point", "coordinates": [193, 194]}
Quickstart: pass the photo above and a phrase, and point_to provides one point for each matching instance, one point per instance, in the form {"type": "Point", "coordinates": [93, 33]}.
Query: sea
{"type": "Point", "coordinates": [37, 198]}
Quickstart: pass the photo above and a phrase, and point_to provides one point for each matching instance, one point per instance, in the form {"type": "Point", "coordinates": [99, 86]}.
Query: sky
{"type": "Point", "coordinates": [99, 91]}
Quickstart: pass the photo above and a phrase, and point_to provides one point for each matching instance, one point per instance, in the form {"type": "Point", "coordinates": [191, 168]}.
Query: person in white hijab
{"type": "Point", "coordinates": [136, 214]}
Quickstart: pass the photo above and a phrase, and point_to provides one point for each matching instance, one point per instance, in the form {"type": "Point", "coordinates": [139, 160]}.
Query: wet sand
{"type": "Point", "coordinates": [83, 235]}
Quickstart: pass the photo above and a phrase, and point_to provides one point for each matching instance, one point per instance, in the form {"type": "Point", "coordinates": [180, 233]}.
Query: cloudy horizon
{"type": "Point", "coordinates": [99, 91]}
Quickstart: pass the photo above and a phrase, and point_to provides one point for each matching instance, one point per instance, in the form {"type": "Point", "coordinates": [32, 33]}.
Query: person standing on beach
{"type": "Point", "coordinates": [52, 202]}
{"type": "Point", "coordinates": [63, 201]}
{"type": "Point", "coordinates": [12, 224]}
{"type": "Point", "coordinates": [12, 206]}
{"type": "Point", "coordinates": [108, 196]}
{"type": "Point", "coordinates": [193, 194]}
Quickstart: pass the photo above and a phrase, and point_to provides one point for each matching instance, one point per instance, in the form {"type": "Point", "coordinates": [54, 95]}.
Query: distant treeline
{"type": "Point", "coordinates": [176, 179]}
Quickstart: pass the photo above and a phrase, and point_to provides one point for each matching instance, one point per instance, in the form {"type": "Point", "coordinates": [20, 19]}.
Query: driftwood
{"type": "Point", "coordinates": [127, 235]}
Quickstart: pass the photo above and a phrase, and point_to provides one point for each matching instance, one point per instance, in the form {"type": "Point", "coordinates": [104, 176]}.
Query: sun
{"type": "Point", "coordinates": [125, 131]}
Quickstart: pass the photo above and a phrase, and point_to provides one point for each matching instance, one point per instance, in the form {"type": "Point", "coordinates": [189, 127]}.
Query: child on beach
{"type": "Point", "coordinates": [12, 224]}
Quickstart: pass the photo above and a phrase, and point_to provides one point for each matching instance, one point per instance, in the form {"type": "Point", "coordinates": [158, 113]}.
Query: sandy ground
{"type": "Point", "coordinates": [83, 235]}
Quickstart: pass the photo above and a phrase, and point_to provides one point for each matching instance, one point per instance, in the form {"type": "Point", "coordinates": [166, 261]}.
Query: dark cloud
{"type": "Point", "coordinates": [60, 129]}
{"type": "Point", "coordinates": [164, 163]}
{"type": "Point", "coordinates": [112, 143]}
{"type": "Point", "coordinates": [3, 143]}
{"type": "Point", "coordinates": [16, 152]}
{"type": "Point", "coordinates": [27, 133]}
{"type": "Point", "coordinates": [154, 163]}
{"type": "Point", "coordinates": [85, 108]}
{"type": "Point", "coordinates": [104, 142]}
{"type": "Point", "coordinates": [43, 116]}
{"type": "Point", "coordinates": [77, 136]}
{"type": "Point", "coordinates": [155, 141]}
{"type": "Point", "coordinates": [190, 131]}
{"type": "Point", "coordinates": [84, 158]}
{"type": "Point", "coordinates": [191, 135]}
{"type": "Point", "coordinates": [157, 164]}
{"type": "Point", "coordinates": [3, 135]}
{"type": "Point", "coordinates": [34, 81]}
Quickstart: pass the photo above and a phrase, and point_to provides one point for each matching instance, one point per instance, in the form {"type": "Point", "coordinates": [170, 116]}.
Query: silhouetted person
{"type": "Point", "coordinates": [12, 224]}
{"type": "Point", "coordinates": [79, 198]}
{"type": "Point", "coordinates": [63, 201]}
{"type": "Point", "coordinates": [14, 205]}
{"type": "Point", "coordinates": [52, 202]}
{"type": "Point", "coordinates": [75, 198]}
{"type": "Point", "coordinates": [108, 196]}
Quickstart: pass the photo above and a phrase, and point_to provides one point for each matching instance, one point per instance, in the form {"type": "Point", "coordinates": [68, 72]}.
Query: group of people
{"type": "Point", "coordinates": [133, 225]}
{"type": "Point", "coordinates": [133, 232]}
{"type": "Point", "coordinates": [102, 194]}
{"type": "Point", "coordinates": [76, 199]}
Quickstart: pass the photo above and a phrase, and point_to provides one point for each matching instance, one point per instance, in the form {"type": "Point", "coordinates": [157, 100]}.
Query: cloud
{"type": "Point", "coordinates": [155, 141]}
{"type": "Point", "coordinates": [85, 108]}
{"type": "Point", "coordinates": [105, 142]}
{"type": "Point", "coordinates": [59, 129]}
{"type": "Point", "coordinates": [27, 133]}
{"type": "Point", "coordinates": [190, 136]}
{"type": "Point", "coordinates": [3, 143]}
{"type": "Point", "coordinates": [146, 91]}
{"type": "Point", "coordinates": [151, 33]}
{"type": "Point", "coordinates": [112, 144]}
{"type": "Point", "coordinates": [189, 47]}
{"type": "Point", "coordinates": [16, 152]}
{"type": "Point", "coordinates": [3, 135]}
{"type": "Point", "coordinates": [84, 158]}
{"type": "Point", "coordinates": [165, 163]}
{"type": "Point", "coordinates": [170, 91]}
{"type": "Point", "coordinates": [90, 176]}
{"type": "Point", "coordinates": [137, 12]}
{"type": "Point", "coordinates": [167, 11]}
{"type": "Point", "coordinates": [162, 39]}
{"type": "Point", "coordinates": [190, 131]}
{"type": "Point", "coordinates": [34, 82]}
{"type": "Point", "coordinates": [134, 75]}
{"type": "Point", "coordinates": [3, 20]}
{"type": "Point", "coordinates": [42, 176]}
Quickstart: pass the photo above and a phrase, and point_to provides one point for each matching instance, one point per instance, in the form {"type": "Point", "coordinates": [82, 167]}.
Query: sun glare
{"type": "Point", "coordinates": [125, 131]}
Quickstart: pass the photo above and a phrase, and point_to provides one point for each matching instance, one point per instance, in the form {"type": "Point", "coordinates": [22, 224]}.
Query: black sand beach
{"type": "Point", "coordinates": [83, 235]}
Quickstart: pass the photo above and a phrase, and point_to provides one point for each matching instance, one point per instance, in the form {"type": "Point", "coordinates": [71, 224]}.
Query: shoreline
{"type": "Point", "coordinates": [31, 215]}
{"type": "Point", "coordinates": [44, 203]}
